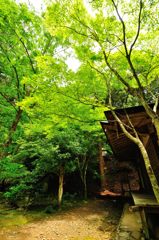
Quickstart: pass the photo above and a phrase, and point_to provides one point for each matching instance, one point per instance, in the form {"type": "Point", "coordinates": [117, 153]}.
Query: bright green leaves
{"type": "Point", "coordinates": [118, 28]}
{"type": "Point", "coordinates": [23, 38]}
{"type": "Point", "coordinates": [61, 107]}
{"type": "Point", "coordinates": [64, 17]}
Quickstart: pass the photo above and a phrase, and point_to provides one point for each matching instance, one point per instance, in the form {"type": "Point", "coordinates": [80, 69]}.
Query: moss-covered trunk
{"type": "Point", "coordinates": [156, 124]}
{"type": "Point", "coordinates": [150, 172]}
{"type": "Point", "coordinates": [153, 114]}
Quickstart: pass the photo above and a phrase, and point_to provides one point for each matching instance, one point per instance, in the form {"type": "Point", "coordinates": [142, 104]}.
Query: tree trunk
{"type": "Point", "coordinates": [150, 171]}
{"type": "Point", "coordinates": [83, 173]}
{"type": "Point", "coordinates": [85, 183]}
{"type": "Point", "coordinates": [142, 147]}
{"type": "Point", "coordinates": [61, 181]}
{"type": "Point", "coordinates": [156, 124]}
{"type": "Point", "coordinates": [152, 114]}
{"type": "Point", "coordinates": [13, 127]}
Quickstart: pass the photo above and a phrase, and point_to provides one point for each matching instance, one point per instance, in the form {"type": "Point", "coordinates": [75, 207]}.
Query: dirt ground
{"type": "Point", "coordinates": [93, 220]}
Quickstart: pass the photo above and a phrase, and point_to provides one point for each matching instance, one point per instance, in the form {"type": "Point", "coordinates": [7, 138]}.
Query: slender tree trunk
{"type": "Point", "coordinates": [83, 174]}
{"type": "Point", "coordinates": [61, 182]}
{"type": "Point", "coordinates": [149, 169]}
{"type": "Point", "coordinates": [12, 129]}
{"type": "Point", "coordinates": [156, 125]}
{"type": "Point", "coordinates": [85, 183]}
{"type": "Point", "coordinates": [152, 114]}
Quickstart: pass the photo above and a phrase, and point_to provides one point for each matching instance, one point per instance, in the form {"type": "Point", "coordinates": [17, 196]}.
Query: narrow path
{"type": "Point", "coordinates": [94, 220]}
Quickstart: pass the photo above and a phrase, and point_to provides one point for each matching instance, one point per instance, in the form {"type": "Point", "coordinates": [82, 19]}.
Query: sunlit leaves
{"type": "Point", "coordinates": [112, 27]}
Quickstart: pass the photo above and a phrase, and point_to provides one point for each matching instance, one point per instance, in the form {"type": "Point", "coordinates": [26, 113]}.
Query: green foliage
{"type": "Point", "coordinates": [14, 174]}
{"type": "Point", "coordinates": [50, 113]}
{"type": "Point", "coordinates": [39, 155]}
{"type": "Point", "coordinates": [23, 37]}
{"type": "Point", "coordinates": [16, 192]}
{"type": "Point", "coordinates": [11, 171]}
{"type": "Point", "coordinates": [110, 37]}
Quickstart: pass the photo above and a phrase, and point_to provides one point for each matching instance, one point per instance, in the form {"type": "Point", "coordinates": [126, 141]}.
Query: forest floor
{"type": "Point", "coordinates": [92, 220]}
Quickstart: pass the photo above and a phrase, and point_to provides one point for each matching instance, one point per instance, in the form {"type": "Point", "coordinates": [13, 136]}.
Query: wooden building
{"type": "Point", "coordinates": [125, 151]}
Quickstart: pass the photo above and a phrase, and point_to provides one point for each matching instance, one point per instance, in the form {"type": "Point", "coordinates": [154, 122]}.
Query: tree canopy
{"type": "Point", "coordinates": [60, 71]}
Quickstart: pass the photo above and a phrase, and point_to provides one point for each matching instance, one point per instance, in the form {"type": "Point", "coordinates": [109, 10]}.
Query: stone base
{"type": "Point", "coordinates": [130, 225]}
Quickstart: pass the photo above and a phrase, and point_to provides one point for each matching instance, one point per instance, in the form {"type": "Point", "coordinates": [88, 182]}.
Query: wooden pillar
{"type": "Point", "coordinates": [102, 168]}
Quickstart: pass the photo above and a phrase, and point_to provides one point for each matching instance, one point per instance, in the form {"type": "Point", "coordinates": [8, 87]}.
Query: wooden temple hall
{"type": "Point", "coordinates": [125, 172]}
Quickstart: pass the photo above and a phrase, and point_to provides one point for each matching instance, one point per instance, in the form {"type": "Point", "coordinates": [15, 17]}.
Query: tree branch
{"type": "Point", "coordinates": [80, 33]}
{"type": "Point", "coordinates": [125, 45]}
{"type": "Point", "coordinates": [13, 127]}
{"type": "Point", "coordinates": [97, 70]}
{"type": "Point", "coordinates": [26, 50]}
{"type": "Point", "coordinates": [75, 99]}
{"type": "Point", "coordinates": [151, 70]}
{"type": "Point", "coordinates": [138, 29]}
{"type": "Point", "coordinates": [116, 72]}
{"type": "Point", "coordinates": [74, 118]}
{"type": "Point", "coordinates": [127, 133]}
{"type": "Point", "coordinates": [15, 71]}
{"type": "Point", "coordinates": [48, 44]}
{"type": "Point", "coordinates": [7, 99]}
{"type": "Point", "coordinates": [123, 27]}
{"type": "Point", "coordinates": [93, 33]}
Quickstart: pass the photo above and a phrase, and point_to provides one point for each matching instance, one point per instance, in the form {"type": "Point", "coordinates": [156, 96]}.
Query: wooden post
{"type": "Point", "coordinates": [102, 168]}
